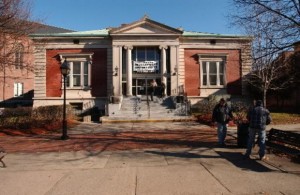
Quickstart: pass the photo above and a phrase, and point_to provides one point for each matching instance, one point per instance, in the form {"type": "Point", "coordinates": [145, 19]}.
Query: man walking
{"type": "Point", "coordinates": [257, 118]}
{"type": "Point", "coordinates": [153, 86]}
{"type": "Point", "coordinates": [222, 115]}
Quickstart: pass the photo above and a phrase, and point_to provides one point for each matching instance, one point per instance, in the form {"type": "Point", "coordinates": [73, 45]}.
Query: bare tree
{"type": "Point", "coordinates": [281, 17]}
{"type": "Point", "coordinates": [275, 27]}
{"type": "Point", "coordinates": [15, 26]}
{"type": "Point", "coordinates": [15, 45]}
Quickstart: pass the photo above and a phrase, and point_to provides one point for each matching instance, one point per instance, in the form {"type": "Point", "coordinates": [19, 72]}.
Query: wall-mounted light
{"type": "Point", "coordinates": [115, 73]}
{"type": "Point", "coordinates": [175, 71]}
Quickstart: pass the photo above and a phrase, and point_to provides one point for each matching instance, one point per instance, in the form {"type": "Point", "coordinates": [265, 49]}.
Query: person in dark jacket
{"type": "Point", "coordinates": [152, 88]}
{"type": "Point", "coordinates": [222, 114]}
{"type": "Point", "coordinates": [257, 117]}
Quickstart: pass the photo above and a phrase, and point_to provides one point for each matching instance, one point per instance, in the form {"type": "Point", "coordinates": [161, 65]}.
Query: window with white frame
{"type": "Point", "coordinates": [18, 89]}
{"type": "Point", "coordinates": [80, 69]}
{"type": "Point", "coordinates": [212, 71]}
{"type": "Point", "coordinates": [79, 74]}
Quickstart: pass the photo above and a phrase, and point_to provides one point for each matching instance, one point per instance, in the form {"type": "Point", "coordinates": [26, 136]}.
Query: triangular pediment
{"type": "Point", "coordinates": [145, 26]}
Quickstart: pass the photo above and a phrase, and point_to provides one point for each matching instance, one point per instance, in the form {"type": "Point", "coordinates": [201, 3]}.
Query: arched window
{"type": "Point", "coordinates": [19, 53]}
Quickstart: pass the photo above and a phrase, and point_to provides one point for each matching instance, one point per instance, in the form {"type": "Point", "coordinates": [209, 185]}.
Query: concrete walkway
{"type": "Point", "coordinates": [189, 170]}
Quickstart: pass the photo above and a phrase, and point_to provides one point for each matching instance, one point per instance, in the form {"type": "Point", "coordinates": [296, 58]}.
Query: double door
{"type": "Point", "coordinates": [140, 86]}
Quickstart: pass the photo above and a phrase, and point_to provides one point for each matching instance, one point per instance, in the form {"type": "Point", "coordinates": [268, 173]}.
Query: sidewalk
{"type": "Point", "coordinates": [199, 169]}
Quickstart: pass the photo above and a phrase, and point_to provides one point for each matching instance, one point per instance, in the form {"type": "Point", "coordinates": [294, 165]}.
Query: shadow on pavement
{"type": "Point", "coordinates": [245, 164]}
{"type": "Point", "coordinates": [181, 154]}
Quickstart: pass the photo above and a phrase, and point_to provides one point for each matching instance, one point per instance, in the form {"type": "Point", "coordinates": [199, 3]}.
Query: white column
{"type": "Point", "coordinates": [129, 71]}
{"type": "Point", "coordinates": [163, 63]}
{"type": "Point", "coordinates": [90, 62]}
{"type": "Point", "coordinates": [174, 69]}
{"type": "Point", "coordinates": [120, 70]}
{"type": "Point", "coordinates": [114, 75]}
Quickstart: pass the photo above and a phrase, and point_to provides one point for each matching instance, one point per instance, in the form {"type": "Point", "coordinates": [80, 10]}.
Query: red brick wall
{"type": "Point", "coordinates": [10, 75]}
{"type": "Point", "coordinates": [192, 70]}
{"type": "Point", "coordinates": [99, 69]}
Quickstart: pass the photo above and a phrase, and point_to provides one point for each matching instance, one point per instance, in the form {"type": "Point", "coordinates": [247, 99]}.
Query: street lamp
{"type": "Point", "coordinates": [65, 70]}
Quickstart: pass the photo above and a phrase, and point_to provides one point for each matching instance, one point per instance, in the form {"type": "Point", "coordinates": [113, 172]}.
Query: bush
{"type": "Point", "coordinates": [50, 117]}
{"type": "Point", "coordinates": [46, 117]}
{"type": "Point", "coordinates": [16, 118]}
{"type": "Point", "coordinates": [240, 110]}
{"type": "Point", "coordinates": [203, 110]}
{"type": "Point", "coordinates": [205, 106]}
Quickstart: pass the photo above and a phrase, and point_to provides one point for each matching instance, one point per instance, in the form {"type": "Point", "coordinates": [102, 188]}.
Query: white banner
{"type": "Point", "coordinates": [145, 66]}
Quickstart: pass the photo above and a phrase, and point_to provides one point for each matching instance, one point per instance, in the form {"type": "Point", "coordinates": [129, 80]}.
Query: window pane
{"type": "Point", "coordinates": [76, 67]}
{"type": "Point", "coordinates": [213, 67]}
{"type": "Point", "coordinates": [221, 80]}
{"type": "Point", "coordinates": [68, 81]}
{"type": "Point", "coordinates": [86, 80]}
{"type": "Point", "coordinates": [76, 80]}
{"type": "Point", "coordinates": [20, 89]}
{"type": "Point", "coordinates": [150, 54]}
{"type": "Point", "coordinates": [141, 55]}
{"type": "Point", "coordinates": [86, 68]}
{"type": "Point", "coordinates": [15, 89]}
{"type": "Point", "coordinates": [221, 67]}
{"type": "Point", "coordinates": [204, 80]}
{"type": "Point", "coordinates": [204, 67]}
{"type": "Point", "coordinates": [213, 79]}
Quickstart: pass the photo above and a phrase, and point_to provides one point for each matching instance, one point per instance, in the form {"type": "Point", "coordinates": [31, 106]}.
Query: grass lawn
{"type": "Point", "coordinates": [285, 118]}
{"type": "Point", "coordinates": [277, 118]}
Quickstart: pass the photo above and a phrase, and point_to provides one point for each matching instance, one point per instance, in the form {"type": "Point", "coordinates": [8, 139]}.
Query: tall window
{"type": "Point", "coordinates": [79, 74]}
{"type": "Point", "coordinates": [18, 89]}
{"type": "Point", "coordinates": [212, 71]}
{"type": "Point", "coordinates": [146, 59]}
{"type": "Point", "coordinates": [19, 53]}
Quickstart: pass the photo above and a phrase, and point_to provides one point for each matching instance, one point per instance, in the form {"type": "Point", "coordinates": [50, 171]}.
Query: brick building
{"type": "Point", "coordinates": [287, 99]}
{"type": "Point", "coordinates": [17, 68]}
{"type": "Point", "coordinates": [110, 64]}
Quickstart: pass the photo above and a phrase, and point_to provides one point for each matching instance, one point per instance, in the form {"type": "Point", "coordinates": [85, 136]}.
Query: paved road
{"type": "Point", "coordinates": [190, 170]}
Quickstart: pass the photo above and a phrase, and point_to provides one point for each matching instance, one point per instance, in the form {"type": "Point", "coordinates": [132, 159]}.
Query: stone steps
{"type": "Point", "coordinates": [135, 109]}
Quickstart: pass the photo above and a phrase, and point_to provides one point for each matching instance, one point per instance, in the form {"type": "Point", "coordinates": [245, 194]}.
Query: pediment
{"type": "Point", "coordinates": [145, 27]}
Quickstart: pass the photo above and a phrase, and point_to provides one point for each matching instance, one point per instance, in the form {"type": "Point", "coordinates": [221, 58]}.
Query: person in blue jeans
{"type": "Point", "coordinates": [222, 114]}
{"type": "Point", "coordinates": [257, 117]}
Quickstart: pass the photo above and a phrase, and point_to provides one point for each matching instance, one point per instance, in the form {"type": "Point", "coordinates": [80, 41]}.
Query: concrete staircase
{"type": "Point", "coordinates": [138, 109]}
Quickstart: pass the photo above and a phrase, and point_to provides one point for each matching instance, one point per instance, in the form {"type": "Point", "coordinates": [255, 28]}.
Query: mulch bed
{"type": "Point", "coordinates": [109, 141]}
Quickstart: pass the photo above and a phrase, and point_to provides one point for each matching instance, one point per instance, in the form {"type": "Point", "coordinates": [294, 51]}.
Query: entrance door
{"type": "Point", "coordinates": [140, 86]}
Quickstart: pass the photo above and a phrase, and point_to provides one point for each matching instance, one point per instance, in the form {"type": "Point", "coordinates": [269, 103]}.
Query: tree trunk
{"type": "Point", "coordinates": [265, 98]}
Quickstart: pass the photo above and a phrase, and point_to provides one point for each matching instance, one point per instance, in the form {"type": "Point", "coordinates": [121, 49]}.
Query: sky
{"type": "Point", "coordinates": [80, 15]}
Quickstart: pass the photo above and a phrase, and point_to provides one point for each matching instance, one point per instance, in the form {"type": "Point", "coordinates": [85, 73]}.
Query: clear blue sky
{"type": "Point", "coordinates": [191, 15]}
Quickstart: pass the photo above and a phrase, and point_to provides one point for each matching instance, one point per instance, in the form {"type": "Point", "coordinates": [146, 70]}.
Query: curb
{"type": "Point", "coordinates": [112, 120]}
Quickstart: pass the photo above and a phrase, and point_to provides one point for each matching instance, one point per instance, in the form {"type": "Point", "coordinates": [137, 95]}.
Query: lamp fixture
{"type": "Point", "coordinates": [115, 73]}
{"type": "Point", "coordinates": [175, 71]}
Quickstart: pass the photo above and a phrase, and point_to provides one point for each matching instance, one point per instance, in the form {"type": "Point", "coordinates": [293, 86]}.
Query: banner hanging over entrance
{"type": "Point", "coordinates": [145, 66]}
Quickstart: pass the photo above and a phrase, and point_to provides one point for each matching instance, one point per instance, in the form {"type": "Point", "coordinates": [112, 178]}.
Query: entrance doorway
{"type": "Point", "coordinates": [140, 86]}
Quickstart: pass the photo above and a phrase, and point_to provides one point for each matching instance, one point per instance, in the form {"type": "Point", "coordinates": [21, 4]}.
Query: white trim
{"type": "Point", "coordinates": [76, 56]}
{"type": "Point", "coordinates": [213, 57]}
{"type": "Point", "coordinates": [18, 89]}
{"type": "Point", "coordinates": [71, 80]}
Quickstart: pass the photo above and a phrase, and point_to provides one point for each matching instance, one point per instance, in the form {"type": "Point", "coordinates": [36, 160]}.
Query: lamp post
{"type": "Point", "coordinates": [65, 70]}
